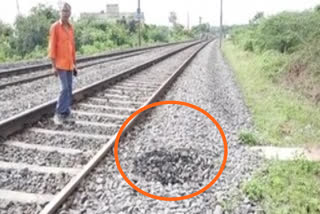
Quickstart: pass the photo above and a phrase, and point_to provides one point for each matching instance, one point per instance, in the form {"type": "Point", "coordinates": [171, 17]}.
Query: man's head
{"type": "Point", "coordinates": [65, 12]}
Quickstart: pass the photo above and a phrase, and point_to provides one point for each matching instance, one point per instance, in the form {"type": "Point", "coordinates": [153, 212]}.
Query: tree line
{"type": "Point", "coordinates": [28, 37]}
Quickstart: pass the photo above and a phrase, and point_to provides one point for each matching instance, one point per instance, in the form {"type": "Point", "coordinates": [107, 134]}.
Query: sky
{"type": "Point", "coordinates": [157, 11]}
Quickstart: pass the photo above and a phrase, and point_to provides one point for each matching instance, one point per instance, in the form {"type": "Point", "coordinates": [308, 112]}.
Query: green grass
{"type": "Point", "coordinates": [287, 187]}
{"type": "Point", "coordinates": [248, 138]}
{"type": "Point", "coordinates": [282, 117]}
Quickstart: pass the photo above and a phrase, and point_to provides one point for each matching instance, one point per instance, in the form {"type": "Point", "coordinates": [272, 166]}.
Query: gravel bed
{"type": "Point", "coordinates": [90, 109]}
{"type": "Point", "coordinates": [20, 98]}
{"type": "Point", "coordinates": [11, 65]}
{"type": "Point", "coordinates": [24, 76]}
{"type": "Point", "coordinates": [108, 101]}
{"type": "Point", "coordinates": [99, 119]}
{"type": "Point", "coordinates": [16, 207]}
{"type": "Point", "coordinates": [70, 142]}
{"type": "Point", "coordinates": [40, 158]}
{"type": "Point", "coordinates": [131, 93]}
{"type": "Point", "coordinates": [182, 153]}
{"type": "Point", "coordinates": [110, 96]}
{"type": "Point", "coordinates": [32, 182]}
{"type": "Point", "coordinates": [78, 128]}
{"type": "Point", "coordinates": [48, 124]}
{"type": "Point", "coordinates": [39, 73]}
{"type": "Point", "coordinates": [145, 85]}
{"type": "Point", "coordinates": [175, 150]}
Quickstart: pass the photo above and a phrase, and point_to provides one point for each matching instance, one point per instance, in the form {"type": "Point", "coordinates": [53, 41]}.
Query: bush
{"type": "Point", "coordinates": [273, 63]}
{"type": "Point", "coordinates": [287, 187]}
{"type": "Point", "coordinates": [248, 138]}
{"type": "Point", "coordinates": [32, 31]}
{"type": "Point", "coordinates": [285, 32]}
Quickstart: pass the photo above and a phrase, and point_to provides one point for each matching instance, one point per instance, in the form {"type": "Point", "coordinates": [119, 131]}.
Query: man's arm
{"type": "Point", "coordinates": [53, 49]}
{"type": "Point", "coordinates": [54, 68]}
{"type": "Point", "coordinates": [74, 49]}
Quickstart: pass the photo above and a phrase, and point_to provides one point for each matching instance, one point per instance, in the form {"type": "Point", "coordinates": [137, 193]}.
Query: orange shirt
{"type": "Point", "coordinates": [62, 46]}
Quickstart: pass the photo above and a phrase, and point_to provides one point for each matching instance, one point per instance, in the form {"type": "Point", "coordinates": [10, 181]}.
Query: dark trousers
{"type": "Point", "coordinates": [65, 98]}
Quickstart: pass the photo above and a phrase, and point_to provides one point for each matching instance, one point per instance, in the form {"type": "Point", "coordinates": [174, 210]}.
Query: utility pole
{"type": "Point", "coordinates": [200, 20]}
{"type": "Point", "coordinates": [139, 20]}
{"type": "Point", "coordinates": [221, 23]}
{"type": "Point", "coordinates": [188, 21]}
{"type": "Point", "coordinates": [18, 7]}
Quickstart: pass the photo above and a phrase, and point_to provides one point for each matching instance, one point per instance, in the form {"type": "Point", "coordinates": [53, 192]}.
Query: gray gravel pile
{"type": "Point", "coordinates": [173, 138]}
{"type": "Point", "coordinates": [174, 130]}
{"type": "Point", "coordinates": [20, 98]}
{"type": "Point", "coordinates": [172, 168]}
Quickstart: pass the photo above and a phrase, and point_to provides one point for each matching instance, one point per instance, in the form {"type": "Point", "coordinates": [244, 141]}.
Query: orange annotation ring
{"type": "Point", "coordinates": [171, 198]}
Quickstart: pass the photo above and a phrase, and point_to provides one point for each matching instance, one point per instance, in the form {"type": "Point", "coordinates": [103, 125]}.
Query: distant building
{"type": "Point", "coordinates": [113, 11]}
{"type": "Point", "coordinates": [113, 14]}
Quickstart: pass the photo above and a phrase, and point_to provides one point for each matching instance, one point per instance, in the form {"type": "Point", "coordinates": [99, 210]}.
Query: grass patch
{"type": "Point", "coordinates": [287, 187]}
{"type": "Point", "coordinates": [282, 117]}
{"type": "Point", "coordinates": [248, 138]}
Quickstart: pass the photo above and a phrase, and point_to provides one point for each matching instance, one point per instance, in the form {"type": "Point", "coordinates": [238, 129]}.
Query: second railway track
{"type": "Point", "coordinates": [44, 163]}
{"type": "Point", "coordinates": [22, 69]}
{"type": "Point", "coordinates": [21, 75]}
{"type": "Point", "coordinates": [18, 98]}
{"type": "Point", "coordinates": [37, 75]}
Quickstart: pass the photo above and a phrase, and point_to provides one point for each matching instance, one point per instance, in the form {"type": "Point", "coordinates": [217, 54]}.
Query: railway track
{"type": "Point", "coordinates": [9, 125]}
{"type": "Point", "coordinates": [16, 99]}
{"type": "Point", "coordinates": [37, 75]}
{"type": "Point", "coordinates": [17, 76]}
{"type": "Point", "coordinates": [41, 162]}
{"type": "Point", "coordinates": [19, 70]}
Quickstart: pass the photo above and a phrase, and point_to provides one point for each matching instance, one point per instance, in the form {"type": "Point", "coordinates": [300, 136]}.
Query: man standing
{"type": "Point", "coordinates": [63, 57]}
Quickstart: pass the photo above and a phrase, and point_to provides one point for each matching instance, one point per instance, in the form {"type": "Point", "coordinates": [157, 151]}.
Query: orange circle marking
{"type": "Point", "coordinates": [171, 198]}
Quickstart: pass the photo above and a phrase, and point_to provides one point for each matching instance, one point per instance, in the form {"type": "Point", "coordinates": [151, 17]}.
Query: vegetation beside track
{"type": "Point", "coordinates": [281, 116]}
{"type": "Point", "coordinates": [287, 187]}
{"type": "Point", "coordinates": [277, 62]}
{"type": "Point", "coordinates": [28, 37]}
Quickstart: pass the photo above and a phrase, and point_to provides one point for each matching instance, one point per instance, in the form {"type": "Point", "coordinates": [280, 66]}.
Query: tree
{"type": "Point", "coordinates": [256, 19]}
{"type": "Point", "coordinates": [200, 29]}
{"type": "Point", "coordinates": [133, 26]}
{"type": "Point", "coordinates": [32, 31]}
{"type": "Point", "coordinates": [5, 30]}
{"type": "Point", "coordinates": [173, 18]}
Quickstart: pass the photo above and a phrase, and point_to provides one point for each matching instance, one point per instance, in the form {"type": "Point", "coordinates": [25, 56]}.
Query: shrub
{"type": "Point", "coordinates": [248, 138]}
